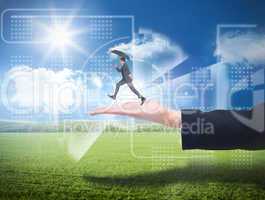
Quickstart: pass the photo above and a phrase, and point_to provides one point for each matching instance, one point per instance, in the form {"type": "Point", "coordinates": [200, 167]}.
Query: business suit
{"type": "Point", "coordinates": [126, 79]}
{"type": "Point", "coordinates": [223, 129]}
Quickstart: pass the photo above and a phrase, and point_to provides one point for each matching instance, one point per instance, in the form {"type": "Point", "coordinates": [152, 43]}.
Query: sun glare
{"type": "Point", "coordinates": [60, 37]}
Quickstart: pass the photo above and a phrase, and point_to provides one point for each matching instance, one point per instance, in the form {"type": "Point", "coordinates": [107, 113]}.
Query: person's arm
{"type": "Point", "coordinates": [126, 72]}
{"type": "Point", "coordinates": [223, 129]}
{"type": "Point", "coordinates": [219, 129]}
{"type": "Point", "coordinates": [126, 69]}
{"type": "Point", "coordinates": [118, 68]}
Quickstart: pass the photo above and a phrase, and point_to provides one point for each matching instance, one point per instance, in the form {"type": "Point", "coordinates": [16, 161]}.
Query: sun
{"type": "Point", "coordinates": [60, 37]}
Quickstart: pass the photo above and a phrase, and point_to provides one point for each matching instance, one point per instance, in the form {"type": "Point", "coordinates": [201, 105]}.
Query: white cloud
{"type": "Point", "coordinates": [154, 48]}
{"type": "Point", "coordinates": [248, 46]}
{"type": "Point", "coordinates": [43, 89]}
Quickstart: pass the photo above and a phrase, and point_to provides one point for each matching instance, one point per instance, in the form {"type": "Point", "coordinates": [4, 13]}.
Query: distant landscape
{"type": "Point", "coordinates": [146, 162]}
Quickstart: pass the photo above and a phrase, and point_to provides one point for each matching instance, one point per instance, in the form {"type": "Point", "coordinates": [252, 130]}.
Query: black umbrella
{"type": "Point", "coordinates": [120, 53]}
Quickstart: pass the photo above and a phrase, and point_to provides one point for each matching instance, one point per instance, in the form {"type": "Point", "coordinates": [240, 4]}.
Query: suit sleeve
{"type": "Point", "coordinates": [118, 69]}
{"type": "Point", "coordinates": [219, 129]}
{"type": "Point", "coordinates": [126, 69]}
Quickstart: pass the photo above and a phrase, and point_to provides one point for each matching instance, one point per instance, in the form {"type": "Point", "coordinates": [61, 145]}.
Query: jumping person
{"type": "Point", "coordinates": [126, 79]}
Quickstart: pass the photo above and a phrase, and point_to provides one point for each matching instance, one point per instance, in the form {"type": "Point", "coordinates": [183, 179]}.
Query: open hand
{"type": "Point", "coordinates": [150, 110]}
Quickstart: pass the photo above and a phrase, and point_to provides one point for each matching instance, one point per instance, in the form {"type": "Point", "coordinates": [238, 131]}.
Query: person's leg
{"type": "Point", "coordinates": [131, 86]}
{"type": "Point", "coordinates": [120, 83]}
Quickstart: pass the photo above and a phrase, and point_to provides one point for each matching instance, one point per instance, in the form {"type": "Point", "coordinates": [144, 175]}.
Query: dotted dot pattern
{"type": "Point", "coordinates": [240, 76]}
{"type": "Point", "coordinates": [200, 77]}
{"type": "Point", "coordinates": [19, 60]}
{"type": "Point", "coordinates": [101, 63]}
{"type": "Point", "coordinates": [202, 160]}
{"type": "Point", "coordinates": [201, 80]}
{"type": "Point", "coordinates": [14, 61]}
{"type": "Point", "coordinates": [163, 156]}
{"type": "Point", "coordinates": [20, 29]}
{"type": "Point", "coordinates": [242, 159]}
{"type": "Point", "coordinates": [100, 28]}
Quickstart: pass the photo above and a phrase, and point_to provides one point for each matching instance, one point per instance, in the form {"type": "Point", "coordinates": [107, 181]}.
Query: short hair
{"type": "Point", "coordinates": [122, 59]}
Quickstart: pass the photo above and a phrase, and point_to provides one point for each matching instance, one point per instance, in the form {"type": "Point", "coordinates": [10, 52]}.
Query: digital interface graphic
{"type": "Point", "coordinates": [198, 90]}
{"type": "Point", "coordinates": [132, 100]}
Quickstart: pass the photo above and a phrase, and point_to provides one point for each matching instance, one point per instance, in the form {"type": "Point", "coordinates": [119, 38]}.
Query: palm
{"type": "Point", "coordinates": [150, 110]}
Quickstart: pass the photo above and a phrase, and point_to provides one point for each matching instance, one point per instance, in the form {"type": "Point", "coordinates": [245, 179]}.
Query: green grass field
{"type": "Point", "coordinates": [145, 165]}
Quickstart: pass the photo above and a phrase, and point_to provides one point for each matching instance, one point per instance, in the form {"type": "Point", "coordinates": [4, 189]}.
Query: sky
{"type": "Point", "coordinates": [189, 23]}
{"type": "Point", "coordinates": [189, 27]}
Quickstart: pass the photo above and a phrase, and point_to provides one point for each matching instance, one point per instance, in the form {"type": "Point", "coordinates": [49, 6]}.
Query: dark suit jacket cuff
{"type": "Point", "coordinates": [218, 130]}
{"type": "Point", "coordinates": [189, 134]}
